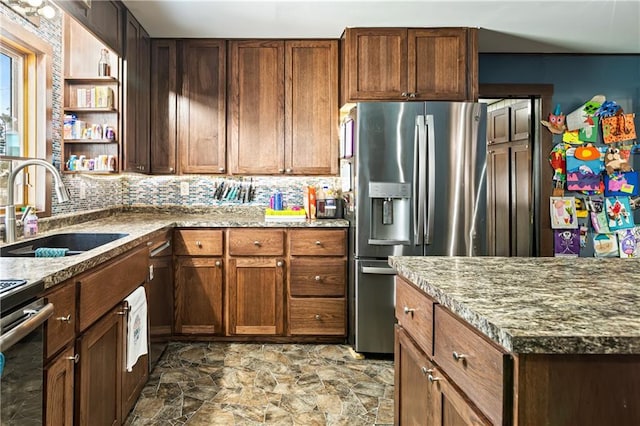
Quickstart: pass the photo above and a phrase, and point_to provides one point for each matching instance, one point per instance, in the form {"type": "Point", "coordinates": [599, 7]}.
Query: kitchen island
{"type": "Point", "coordinates": [522, 341]}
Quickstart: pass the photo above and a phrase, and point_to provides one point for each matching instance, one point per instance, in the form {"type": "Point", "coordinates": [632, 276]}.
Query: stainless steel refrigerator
{"type": "Point", "coordinates": [414, 183]}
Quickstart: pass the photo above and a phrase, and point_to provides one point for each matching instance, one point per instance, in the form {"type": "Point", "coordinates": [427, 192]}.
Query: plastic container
{"type": "Point", "coordinates": [30, 224]}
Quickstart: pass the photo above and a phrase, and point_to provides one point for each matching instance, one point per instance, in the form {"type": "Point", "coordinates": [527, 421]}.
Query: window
{"type": "Point", "coordinates": [25, 114]}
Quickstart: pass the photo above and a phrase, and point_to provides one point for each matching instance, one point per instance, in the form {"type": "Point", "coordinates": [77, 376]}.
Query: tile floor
{"type": "Point", "coordinates": [265, 384]}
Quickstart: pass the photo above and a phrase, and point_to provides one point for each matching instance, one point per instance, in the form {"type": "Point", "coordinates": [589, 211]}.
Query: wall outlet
{"type": "Point", "coordinates": [184, 188]}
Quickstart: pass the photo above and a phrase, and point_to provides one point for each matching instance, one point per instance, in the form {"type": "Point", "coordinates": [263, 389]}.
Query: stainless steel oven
{"type": "Point", "coordinates": [21, 363]}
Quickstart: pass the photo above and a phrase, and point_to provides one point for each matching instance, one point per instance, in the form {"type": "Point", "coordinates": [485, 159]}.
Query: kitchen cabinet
{"type": "Point", "coordinates": [137, 71]}
{"type": "Point", "coordinates": [201, 107]}
{"type": "Point", "coordinates": [164, 95]}
{"type": "Point", "coordinates": [509, 181]}
{"type": "Point", "coordinates": [103, 18]}
{"type": "Point", "coordinates": [255, 282]}
{"type": "Point", "coordinates": [426, 393]}
{"type": "Point", "coordinates": [58, 388]}
{"type": "Point", "coordinates": [410, 64]}
{"type": "Point", "coordinates": [282, 108]}
{"type": "Point", "coordinates": [317, 282]}
{"type": "Point", "coordinates": [199, 281]}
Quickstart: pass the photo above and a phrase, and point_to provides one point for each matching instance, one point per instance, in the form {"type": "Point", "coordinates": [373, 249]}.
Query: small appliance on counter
{"type": "Point", "coordinates": [329, 208]}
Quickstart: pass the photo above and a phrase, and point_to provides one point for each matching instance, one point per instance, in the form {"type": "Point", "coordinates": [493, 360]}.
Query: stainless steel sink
{"type": "Point", "coordinates": [76, 243]}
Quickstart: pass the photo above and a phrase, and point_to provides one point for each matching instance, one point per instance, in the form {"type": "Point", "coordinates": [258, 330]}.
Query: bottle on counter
{"type": "Point", "coordinates": [30, 223]}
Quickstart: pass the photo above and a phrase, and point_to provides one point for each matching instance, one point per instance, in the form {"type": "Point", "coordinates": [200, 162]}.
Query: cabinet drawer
{"type": "Point", "coordinates": [316, 242]}
{"type": "Point", "coordinates": [256, 242]}
{"type": "Point", "coordinates": [108, 285]}
{"type": "Point", "coordinates": [317, 277]}
{"type": "Point", "coordinates": [160, 244]}
{"type": "Point", "coordinates": [414, 311]}
{"type": "Point", "coordinates": [317, 316]}
{"type": "Point", "coordinates": [474, 363]}
{"type": "Point", "coordinates": [198, 242]}
{"type": "Point", "coordinates": [60, 328]}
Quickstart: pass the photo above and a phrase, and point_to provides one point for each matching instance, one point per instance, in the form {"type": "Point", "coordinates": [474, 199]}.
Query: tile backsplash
{"type": "Point", "coordinates": [96, 192]}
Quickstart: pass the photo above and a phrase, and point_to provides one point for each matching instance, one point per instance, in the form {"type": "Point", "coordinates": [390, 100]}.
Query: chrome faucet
{"type": "Point", "coordinates": [10, 210]}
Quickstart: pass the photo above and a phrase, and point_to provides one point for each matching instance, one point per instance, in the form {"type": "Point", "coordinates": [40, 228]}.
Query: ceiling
{"type": "Point", "coordinates": [573, 26]}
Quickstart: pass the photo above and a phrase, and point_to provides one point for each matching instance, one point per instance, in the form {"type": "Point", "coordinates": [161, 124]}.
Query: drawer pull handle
{"type": "Point", "coordinates": [66, 319]}
{"type": "Point", "coordinates": [257, 243]}
{"type": "Point", "coordinates": [426, 371]}
{"type": "Point", "coordinates": [218, 263]}
{"type": "Point", "coordinates": [318, 243]}
{"type": "Point", "coordinates": [74, 358]}
{"type": "Point", "coordinates": [279, 263]}
{"type": "Point", "coordinates": [432, 378]}
{"type": "Point", "coordinates": [199, 244]}
{"type": "Point", "coordinates": [317, 278]}
{"type": "Point", "coordinates": [459, 357]}
{"type": "Point", "coordinates": [317, 317]}
{"type": "Point", "coordinates": [407, 310]}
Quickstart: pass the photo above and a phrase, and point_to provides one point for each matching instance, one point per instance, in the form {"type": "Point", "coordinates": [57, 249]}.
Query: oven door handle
{"type": "Point", "coordinates": [23, 329]}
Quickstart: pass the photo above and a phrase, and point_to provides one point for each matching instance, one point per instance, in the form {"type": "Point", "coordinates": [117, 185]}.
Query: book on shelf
{"type": "Point", "coordinates": [94, 97]}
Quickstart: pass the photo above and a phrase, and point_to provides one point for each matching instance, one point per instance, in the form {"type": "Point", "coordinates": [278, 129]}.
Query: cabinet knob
{"type": "Point", "coordinates": [221, 169]}
{"type": "Point", "coordinates": [218, 263]}
{"type": "Point", "coordinates": [288, 170]}
{"type": "Point", "coordinates": [171, 169]}
{"type": "Point", "coordinates": [317, 317]}
{"type": "Point", "coordinates": [257, 243]}
{"type": "Point", "coordinates": [317, 278]}
{"type": "Point", "coordinates": [279, 263]}
{"type": "Point", "coordinates": [412, 95]}
{"type": "Point", "coordinates": [459, 357]}
{"type": "Point", "coordinates": [280, 170]}
{"type": "Point", "coordinates": [199, 244]}
{"type": "Point", "coordinates": [74, 358]}
{"type": "Point", "coordinates": [66, 319]}
{"type": "Point", "coordinates": [432, 378]}
{"type": "Point", "coordinates": [426, 371]}
{"type": "Point", "coordinates": [407, 310]}
{"type": "Point", "coordinates": [404, 94]}
{"type": "Point", "coordinates": [318, 243]}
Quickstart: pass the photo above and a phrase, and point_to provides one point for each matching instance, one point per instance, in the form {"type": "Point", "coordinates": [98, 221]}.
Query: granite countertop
{"type": "Point", "coordinates": [538, 305]}
{"type": "Point", "coordinates": [141, 225]}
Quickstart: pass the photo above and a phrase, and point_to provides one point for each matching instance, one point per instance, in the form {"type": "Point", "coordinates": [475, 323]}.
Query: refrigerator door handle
{"type": "Point", "coordinates": [418, 179]}
{"type": "Point", "coordinates": [431, 180]}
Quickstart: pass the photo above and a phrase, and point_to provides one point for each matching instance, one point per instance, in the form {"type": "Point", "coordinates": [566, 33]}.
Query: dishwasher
{"type": "Point", "coordinates": [21, 362]}
{"type": "Point", "coordinates": [159, 291]}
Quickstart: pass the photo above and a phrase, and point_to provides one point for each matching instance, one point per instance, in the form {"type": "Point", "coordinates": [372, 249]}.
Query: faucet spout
{"type": "Point", "coordinates": [10, 209]}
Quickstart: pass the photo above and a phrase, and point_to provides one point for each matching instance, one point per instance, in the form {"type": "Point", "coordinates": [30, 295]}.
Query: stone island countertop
{"type": "Point", "coordinates": [538, 305]}
{"type": "Point", "coordinates": [140, 224]}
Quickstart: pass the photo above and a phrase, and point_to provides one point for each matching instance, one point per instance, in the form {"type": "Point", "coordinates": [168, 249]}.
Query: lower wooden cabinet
{"type": "Point", "coordinates": [59, 375]}
{"type": "Point", "coordinates": [198, 295]}
{"type": "Point", "coordinates": [255, 296]}
{"type": "Point", "coordinates": [423, 394]}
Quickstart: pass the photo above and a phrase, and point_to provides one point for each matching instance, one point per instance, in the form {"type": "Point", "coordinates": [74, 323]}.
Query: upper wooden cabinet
{"type": "Point", "coordinates": [102, 18]}
{"type": "Point", "coordinates": [201, 108]}
{"type": "Point", "coordinates": [283, 107]}
{"type": "Point", "coordinates": [409, 64]}
{"type": "Point", "coordinates": [163, 156]}
{"type": "Point", "coordinates": [136, 97]}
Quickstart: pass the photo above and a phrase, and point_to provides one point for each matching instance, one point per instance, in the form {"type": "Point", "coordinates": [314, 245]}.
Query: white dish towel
{"type": "Point", "coordinates": [136, 326]}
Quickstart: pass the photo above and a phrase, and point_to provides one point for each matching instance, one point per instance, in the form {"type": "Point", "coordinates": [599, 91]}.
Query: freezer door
{"type": "Point", "coordinates": [375, 306]}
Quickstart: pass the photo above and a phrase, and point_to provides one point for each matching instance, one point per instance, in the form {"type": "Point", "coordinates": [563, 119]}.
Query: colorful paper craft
{"type": "Point", "coordinates": [566, 242]}
{"type": "Point", "coordinates": [605, 245]}
{"type": "Point", "coordinates": [563, 213]}
{"type": "Point", "coordinates": [618, 210]}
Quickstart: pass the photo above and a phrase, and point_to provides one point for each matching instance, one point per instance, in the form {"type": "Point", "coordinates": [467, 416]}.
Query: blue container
{"type": "Point", "coordinates": [277, 202]}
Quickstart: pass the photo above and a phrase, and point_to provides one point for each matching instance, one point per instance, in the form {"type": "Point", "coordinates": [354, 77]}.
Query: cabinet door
{"type": "Point", "coordinates": [198, 296]}
{"type": "Point", "coordinates": [142, 145]}
{"type": "Point", "coordinates": [498, 125]}
{"type": "Point", "coordinates": [376, 60]}
{"type": "Point", "coordinates": [256, 110]}
{"type": "Point", "coordinates": [521, 202]}
{"type": "Point", "coordinates": [163, 106]}
{"type": "Point", "coordinates": [105, 20]}
{"type": "Point", "coordinates": [414, 395]}
{"type": "Point", "coordinates": [59, 389]}
{"type": "Point", "coordinates": [201, 110]}
{"type": "Point", "coordinates": [454, 407]}
{"type": "Point", "coordinates": [311, 107]}
{"type": "Point", "coordinates": [499, 204]}
{"type": "Point", "coordinates": [99, 372]}
{"type": "Point", "coordinates": [160, 296]}
{"type": "Point", "coordinates": [133, 160]}
{"type": "Point", "coordinates": [132, 381]}
{"type": "Point", "coordinates": [437, 63]}
{"type": "Point", "coordinates": [255, 296]}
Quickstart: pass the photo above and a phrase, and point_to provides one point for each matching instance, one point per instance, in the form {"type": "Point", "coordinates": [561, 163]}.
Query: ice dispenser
{"type": "Point", "coordinates": [390, 213]}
